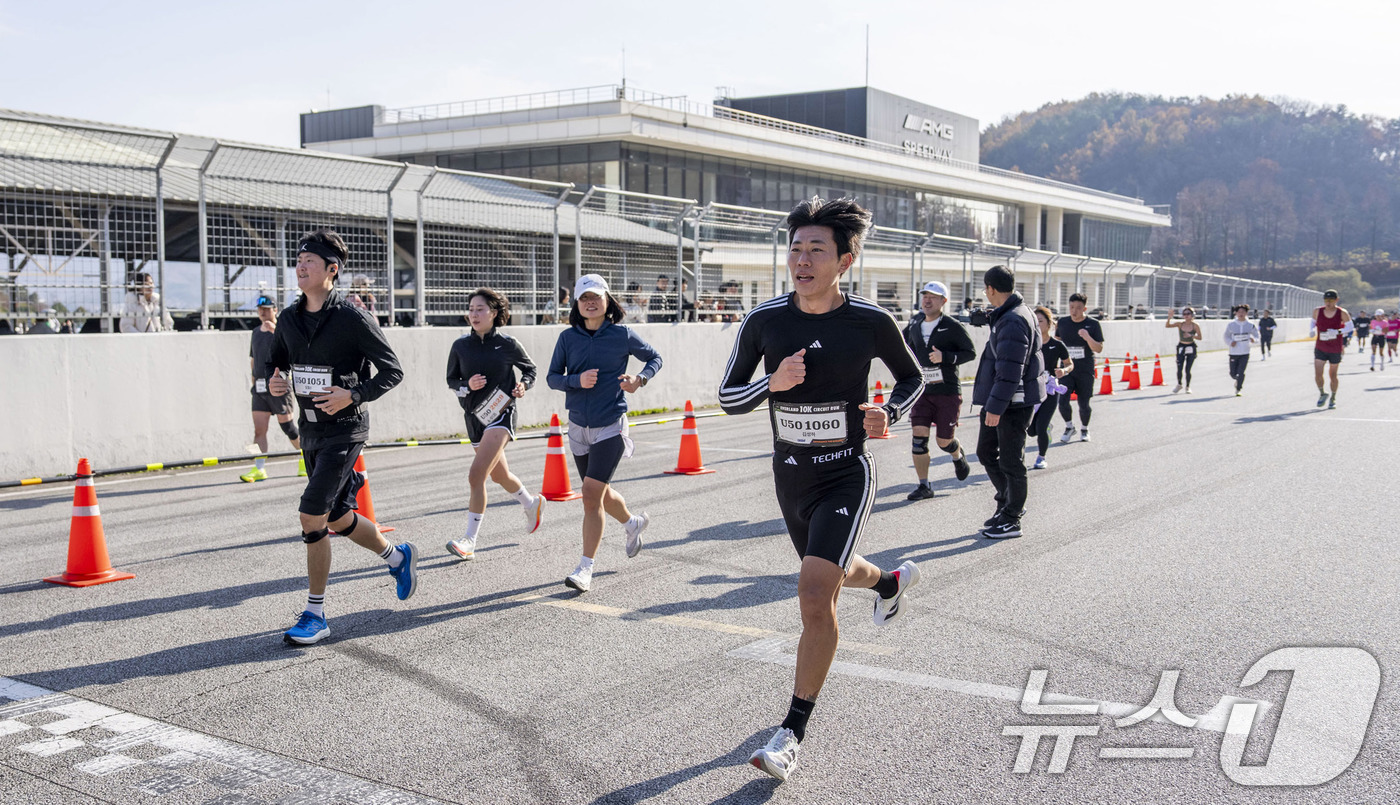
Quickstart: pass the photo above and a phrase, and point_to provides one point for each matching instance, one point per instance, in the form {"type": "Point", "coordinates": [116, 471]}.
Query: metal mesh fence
{"type": "Point", "coordinates": [259, 202]}
{"type": "Point", "coordinates": [78, 219]}
{"type": "Point", "coordinates": [742, 260]}
{"type": "Point", "coordinates": [483, 230]}
{"type": "Point", "coordinates": [635, 242]}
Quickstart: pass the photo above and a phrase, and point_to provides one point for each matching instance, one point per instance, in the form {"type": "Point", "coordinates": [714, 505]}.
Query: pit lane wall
{"type": "Point", "coordinates": [127, 399]}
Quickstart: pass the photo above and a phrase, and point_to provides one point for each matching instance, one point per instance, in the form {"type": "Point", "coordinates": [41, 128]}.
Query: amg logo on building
{"type": "Point", "coordinates": [924, 125]}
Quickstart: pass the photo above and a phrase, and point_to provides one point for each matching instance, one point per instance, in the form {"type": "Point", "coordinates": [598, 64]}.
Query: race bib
{"type": "Point", "coordinates": [1191, 350]}
{"type": "Point", "coordinates": [1076, 353]}
{"type": "Point", "coordinates": [260, 385]}
{"type": "Point", "coordinates": [490, 411]}
{"type": "Point", "coordinates": [933, 374]}
{"type": "Point", "coordinates": [1327, 335]}
{"type": "Point", "coordinates": [1242, 337]}
{"type": "Point", "coordinates": [309, 380]}
{"type": "Point", "coordinates": [810, 424]}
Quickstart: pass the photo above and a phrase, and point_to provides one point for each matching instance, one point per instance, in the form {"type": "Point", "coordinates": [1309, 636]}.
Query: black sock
{"type": "Point", "coordinates": [888, 585]}
{"type": "Point", "coordinates": [797, 716]}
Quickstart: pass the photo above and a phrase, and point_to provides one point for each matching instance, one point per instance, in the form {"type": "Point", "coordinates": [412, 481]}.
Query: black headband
{"type": "Point", "coordinates": [321, 250]}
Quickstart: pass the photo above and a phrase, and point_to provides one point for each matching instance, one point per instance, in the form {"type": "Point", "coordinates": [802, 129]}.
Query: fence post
{"type": "Point", "coordinates": [160, 224]}
{"type": "Point", "coordinates": [680, 257]}
{"type": "Point", "coordinates": [204, 241]}
{"type": "Point", "coordinates": [389, 239]}
{"type": "Point", "coordinates": [554, 292]}
{"type": "Point", "coordinates": [104, 265]}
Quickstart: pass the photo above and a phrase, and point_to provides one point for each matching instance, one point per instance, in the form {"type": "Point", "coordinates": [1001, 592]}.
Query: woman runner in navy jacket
{"type": "Point", "coordinates": [481, 371]}
{"type": "Point", "coordinates": [590, 366]}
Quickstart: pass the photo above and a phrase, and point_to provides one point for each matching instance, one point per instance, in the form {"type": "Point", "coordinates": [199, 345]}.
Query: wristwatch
{"type": "Point", "coordinates": [355, 396]}
{"type": "Point", "coordinates": [643, 379]}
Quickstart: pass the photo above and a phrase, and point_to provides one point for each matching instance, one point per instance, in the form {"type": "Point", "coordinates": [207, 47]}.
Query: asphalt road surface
{"type": "Point", "coordinates": [1194, 533]}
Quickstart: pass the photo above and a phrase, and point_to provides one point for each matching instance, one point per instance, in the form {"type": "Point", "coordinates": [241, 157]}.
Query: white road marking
{"type": "Point", "coordinates": [221, 764]}
{"type": "Point", "coordinates": [770, 650]}
{"type": "Point", "coordinates": [1327, 418]}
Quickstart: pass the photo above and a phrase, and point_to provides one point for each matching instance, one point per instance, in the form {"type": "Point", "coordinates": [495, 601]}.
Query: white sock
{"type": "Point", "coordinates": [474, 523]}
{"type": "Point", "coordinates": [633, 522]}
{"type": "Point", "coordinates": [584, 563]}
{"type": "Point", "coordinates": [392, 555]}
{"type": "Point", "coordinates": [316, 605]}
{"type": "Point", "coordinates": [524, 497]}
{"type": "Point", "coordinates": [261, 462]}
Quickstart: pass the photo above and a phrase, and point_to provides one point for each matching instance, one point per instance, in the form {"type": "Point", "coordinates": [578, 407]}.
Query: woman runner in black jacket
{"type": "Point", "coordinates": [481, 371]}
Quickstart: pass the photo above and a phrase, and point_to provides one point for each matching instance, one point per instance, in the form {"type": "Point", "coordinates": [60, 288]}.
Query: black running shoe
{"type": "Point", "coordinates": [960, 468]}
{"type": "Point", "coordinates": [1006, 529]}
{"type": "Point", "coordinates": [993, 520]}
{"type": "Point", "coordinates": [921, 492]}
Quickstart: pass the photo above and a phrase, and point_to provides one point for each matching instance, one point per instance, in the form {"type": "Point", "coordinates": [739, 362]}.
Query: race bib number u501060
{"type": "Point", "coordinates": [309, 380]}
{"type": "Point", "coordinates": [1076, 353]}
{"type": "Point", "coordinates": [810, 424]}
{"type": "Point", "coordinates": [933, 374]}
{"type": "Point", "coordinates": [490, 411]}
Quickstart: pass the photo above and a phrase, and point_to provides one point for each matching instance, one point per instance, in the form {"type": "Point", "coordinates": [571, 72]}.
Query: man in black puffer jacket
{"type": "Point", "coordinates": [1010, 382]}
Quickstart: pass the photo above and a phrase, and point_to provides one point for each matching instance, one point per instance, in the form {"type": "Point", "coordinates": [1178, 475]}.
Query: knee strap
{"type": "Point", "coordinates": [354, 524]}
{"type": "Point", "coordinates": [952, 448]}
{"type": "Point", "coordinates": [290, 428]}
{"type": "Point", "coordinates": [314, 536]}
{"type": "Point", "coordinates": [920, 447]}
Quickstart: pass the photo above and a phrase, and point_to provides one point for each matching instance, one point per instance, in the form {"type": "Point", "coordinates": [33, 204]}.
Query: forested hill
{"type": "Point", "coordinates": [1253, 183]}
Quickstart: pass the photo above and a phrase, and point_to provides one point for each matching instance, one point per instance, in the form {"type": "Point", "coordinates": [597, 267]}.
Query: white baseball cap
{"type": "Point", "coordinates": [1379, 312]}
{"type": "Point", "coordinates": [936, 288]}
{"type": "Point", "coordinates": [590, 283]}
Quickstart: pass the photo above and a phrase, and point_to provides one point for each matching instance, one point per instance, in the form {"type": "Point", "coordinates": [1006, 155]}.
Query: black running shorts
{"type": "Point", "coordinates": [601, 460]}
{"type": "Point", "coordinates": [272, 404]}
{"type": "Point", "coordinates": [1330, 357]}
{"type": "Point", "coordinates": [506, 421]}
{"type": "Point", "coordinates": [939, 411]}
{"type": "Point", "coordinates": [825, 503]}
{"type": "Point", "coordinates": [331, 482]}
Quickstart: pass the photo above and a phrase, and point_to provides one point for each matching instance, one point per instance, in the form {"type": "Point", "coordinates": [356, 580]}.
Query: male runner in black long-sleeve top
{"type": "Point", "coordinates": [816, 345]}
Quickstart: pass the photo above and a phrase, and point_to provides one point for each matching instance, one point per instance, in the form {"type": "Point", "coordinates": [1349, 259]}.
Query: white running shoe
{"type": "Point", "coordinates": [779, 757]}
{"type": "Point", "coordinates": [888, 610]}
{"type": "Point", "coordinates": [1084, 435]}
{"type": "Point", "coordinates": [1067, 435]}
{"type": "Point", "coordinates": [1177, 389]}
{"type": "Point", "coordinates": [1039, 463]}
{"type": "Point", "coordinates": [581, 579]}
{"type": "Point", "coordinates": [1189, 391]}
{"type": "Point", "coordinates": [533, 514]}
{"type": "Point", "coordinates": [465, 548]}
{"type": "Point", "coordinates": [634, 538]}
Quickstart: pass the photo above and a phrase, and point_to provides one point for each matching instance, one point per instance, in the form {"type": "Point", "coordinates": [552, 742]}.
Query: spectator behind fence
{"type": "Point", "coordinates": [360, 294]}
{"type": "Point", "coordinates": [687, 306]}
{"type": "Point", "coordinates": [45, 324]}
{"type": "Point", "coordinates": [635, 308]}
{"type": "Point", "coordinates": [661, 308]}
{"type": "Point", "coordinates": [143, 313]}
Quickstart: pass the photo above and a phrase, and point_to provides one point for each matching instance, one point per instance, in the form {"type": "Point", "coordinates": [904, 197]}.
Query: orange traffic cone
{"type": "Point", "coordinates": [556, 484]}
{"type": "Point", "coordinates": [1157, 373]}
{"type": "Point", "coordinates": [1106, 387]}
{"type": "Point", "coordinates": [1135, 381]}
{"type": "Point", "coordinates": [1127, 369]}
{"type": "Point", "coordinates": [87, 544]}
{"type": "Point", "coordinates": [880, 400]}
{"type": "Point", "coordinates": [689, 462]}
{"type": "Point", "coordinates": [364, 501]}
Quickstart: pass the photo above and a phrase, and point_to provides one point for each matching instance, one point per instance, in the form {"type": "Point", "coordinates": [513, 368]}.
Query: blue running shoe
{"type": "Point", "coordinates": [310, 629]}
{"type": "Point", "coordinates": [406, 574]}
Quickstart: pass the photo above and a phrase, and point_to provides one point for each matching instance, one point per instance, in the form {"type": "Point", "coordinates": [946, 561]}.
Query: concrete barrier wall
{"type": "Point", "coordinates": [140, 398]}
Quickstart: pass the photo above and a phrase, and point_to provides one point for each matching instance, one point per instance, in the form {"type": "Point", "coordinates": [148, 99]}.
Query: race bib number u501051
{"type": "Point", "coordinates": [309, 380]}
{"type": "Point", "coordinates": [490, 411]}
{"type": "Point", "coordinates": [933, 374]}
{"type": "Point", "coordinates": [810, 424]}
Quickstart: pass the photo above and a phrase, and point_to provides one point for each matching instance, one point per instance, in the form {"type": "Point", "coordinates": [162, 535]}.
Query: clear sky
{"type": "Point", "coordinates": [244, 71]}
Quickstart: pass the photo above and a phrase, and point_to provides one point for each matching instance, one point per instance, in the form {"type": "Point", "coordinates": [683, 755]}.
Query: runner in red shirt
{"type": "Point", "coordinates": [1329, 321]}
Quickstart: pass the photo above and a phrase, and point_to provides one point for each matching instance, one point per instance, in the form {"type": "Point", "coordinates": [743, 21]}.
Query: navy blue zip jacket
{"type": "Point", "coordinates": [607, 350]}
{"type": "Point", "coordinates": [1011, 373]}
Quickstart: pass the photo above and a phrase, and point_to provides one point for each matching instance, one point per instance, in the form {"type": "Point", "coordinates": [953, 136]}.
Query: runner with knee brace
{"type": "Point", "coordinates": [322, 352]}
{"type": "Point", "coordinates": [940, 344]}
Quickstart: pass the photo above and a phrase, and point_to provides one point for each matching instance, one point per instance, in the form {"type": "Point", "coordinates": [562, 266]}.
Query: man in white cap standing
{"type": "Point", "coordinates": [941, 344]}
